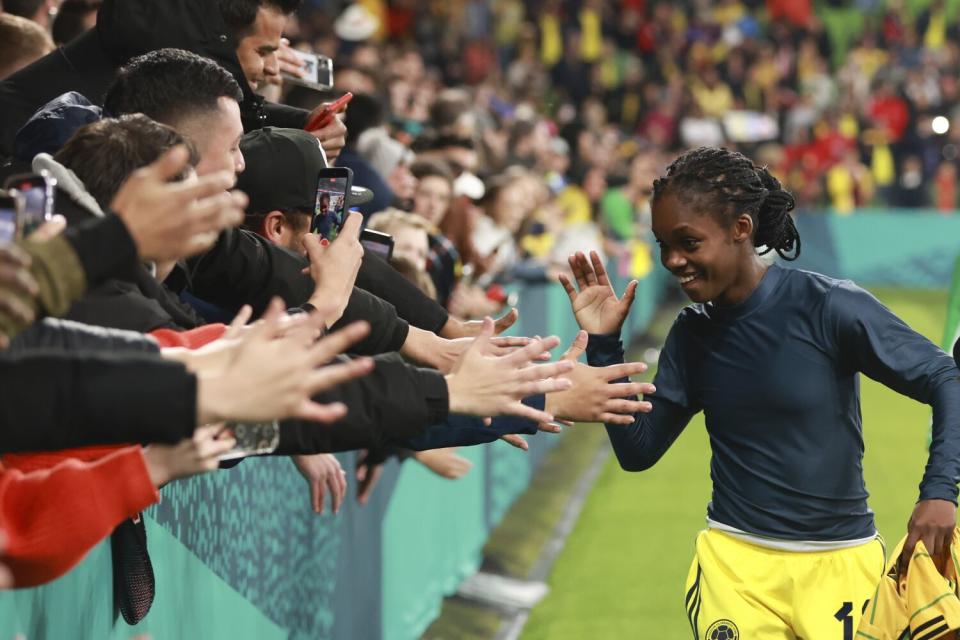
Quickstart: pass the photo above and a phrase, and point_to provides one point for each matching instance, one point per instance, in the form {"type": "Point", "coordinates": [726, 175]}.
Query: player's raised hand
{"type": "Point", "coordinates": [594, 396]}
{"type": "Point", "coordinates": [595, 304]}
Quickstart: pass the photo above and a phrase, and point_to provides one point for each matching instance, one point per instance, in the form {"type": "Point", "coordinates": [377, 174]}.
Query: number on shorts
{"type": "Point", "coordinates": [844, 615]}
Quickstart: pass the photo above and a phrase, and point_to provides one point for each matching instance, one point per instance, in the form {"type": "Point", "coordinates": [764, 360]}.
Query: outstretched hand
{"type": "Point", "coordinates": [278, 365]}
{"type": "Point", "coordinates": [595, 304]}
{"type": "Point", "coordinates": [472, 328]}
{"type": "Point", "coordinates": [483, 384]}
{"type": "Point", "coordinates": [593, 396]}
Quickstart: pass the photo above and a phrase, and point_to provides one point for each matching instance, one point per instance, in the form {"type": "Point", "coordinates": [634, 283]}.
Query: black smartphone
{"type": "Point", "coordinates": [10, 206]}
{"type": "Point", "coordinates": [377, 242]}
{"type": "Point", "coordinates": [253, 439]}
{"type": "Point", "coordinates": [332, 204]}
{"type": "Point", "coordinates": [38, 191]}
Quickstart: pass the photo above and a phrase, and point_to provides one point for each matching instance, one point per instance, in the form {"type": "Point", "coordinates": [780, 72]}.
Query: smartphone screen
{"type": "Point", "coordinates": [330, 209]}
{"type": "Point", "coordinates": [37, 193]}
{"type": "Point", "coordinates": [8, 219]}
{"type": "Point", "coordinates": [325, 72]}
{"type": "Point", "coordinates": [378, 243]}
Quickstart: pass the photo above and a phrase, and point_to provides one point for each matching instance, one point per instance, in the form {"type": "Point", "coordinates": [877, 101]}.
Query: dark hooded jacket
{"type": "Point", "coordinates": [126, 29]}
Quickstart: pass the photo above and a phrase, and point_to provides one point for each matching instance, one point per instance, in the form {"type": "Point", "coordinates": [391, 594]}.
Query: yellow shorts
{"type": "Point", "coordinates": [739, 591]}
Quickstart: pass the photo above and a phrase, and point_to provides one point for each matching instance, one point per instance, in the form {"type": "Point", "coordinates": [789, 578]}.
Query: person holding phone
{"type": "Point", "coordinates": [244, 37]}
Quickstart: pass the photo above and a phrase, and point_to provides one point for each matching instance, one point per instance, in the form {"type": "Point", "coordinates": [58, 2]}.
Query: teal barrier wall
{"type": "Point", "coordinates": [238, 554]}
{"type": "Point", "coordinates": [881, 248]}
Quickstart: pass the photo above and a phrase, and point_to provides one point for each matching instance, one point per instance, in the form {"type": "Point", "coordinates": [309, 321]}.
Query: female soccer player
{"type": "Point", "coordinates": [771, 356]}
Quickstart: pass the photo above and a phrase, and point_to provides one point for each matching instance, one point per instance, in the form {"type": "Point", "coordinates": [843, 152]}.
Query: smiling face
{"type": "Point", "coordinates": [711, 260]}
{"type": "Point", "coordinates": [257, 50]}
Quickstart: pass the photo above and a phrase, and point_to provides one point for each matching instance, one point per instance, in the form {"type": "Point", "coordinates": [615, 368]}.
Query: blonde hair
{"type": "Point", "coordinates": [21, 42]}
{"type": "Point", "coordinates": [391, 218]}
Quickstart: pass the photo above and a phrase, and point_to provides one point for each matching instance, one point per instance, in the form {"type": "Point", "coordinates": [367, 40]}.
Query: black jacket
{"type": "Point", "coordinates": [63, 385]}
{"type": "Point", "coordinates": [126, 29]}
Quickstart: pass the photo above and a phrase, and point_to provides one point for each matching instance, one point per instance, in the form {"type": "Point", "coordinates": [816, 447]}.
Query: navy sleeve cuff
{"type": "Point", "coordinates": [604, 349]}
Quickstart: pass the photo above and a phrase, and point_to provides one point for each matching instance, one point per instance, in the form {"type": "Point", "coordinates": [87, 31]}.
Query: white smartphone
{"type": "Point", "coordinates": [318, 71]}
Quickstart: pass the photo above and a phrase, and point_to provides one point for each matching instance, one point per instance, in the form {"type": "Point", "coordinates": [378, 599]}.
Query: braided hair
{"type": "Point", "coordinates": [728, 184]}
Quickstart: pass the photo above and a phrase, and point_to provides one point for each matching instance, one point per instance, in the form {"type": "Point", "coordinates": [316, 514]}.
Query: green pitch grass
{"type": "Point", "coordinates": [621, 573]}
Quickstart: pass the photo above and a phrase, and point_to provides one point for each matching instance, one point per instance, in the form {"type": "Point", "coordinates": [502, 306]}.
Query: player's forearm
{"type": "Point", "coordinates": [640, 445]}
{"type": "Point", "coordinates": [943, 464]}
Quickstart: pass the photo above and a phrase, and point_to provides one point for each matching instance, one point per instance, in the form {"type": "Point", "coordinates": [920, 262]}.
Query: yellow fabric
{"type": "Point", "coordinates": [591, 37]}
{"type": "Point", "coordinates": [538, 245]}
{"type": "Point", "coordinates": [840, 185]}
{"type": "Point", "coordinates": [377, 8]}
{"type": "Point", "coordinates": [881, 166]}
{"type": "Point", "coordinates": [575, 204]}
{"type": "Point", "coordinates": [729, 13]}
{"type": "Point", "coordinates": [715, 102]}
{"type": "Point", "coordinates": [848, 126]}
{"type": "Point", "coordinates": [936, 34]}
{"type": "Point", "coordinates": [923, 600]}
{"type": "Point", "coordinates": [869, 61]}
{"type": "Point", "coordinates": [551, 41]}
{"type": "Point", "coordinates": [739, 591]}
{"type": "Point", "coordinates": [641, 262]}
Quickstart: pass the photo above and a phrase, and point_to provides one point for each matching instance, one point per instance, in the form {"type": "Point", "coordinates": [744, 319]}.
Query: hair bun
{"type": "Point", "coordinates": [775, 227]}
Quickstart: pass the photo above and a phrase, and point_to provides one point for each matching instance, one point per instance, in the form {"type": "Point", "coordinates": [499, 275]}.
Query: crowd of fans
{"type": "Point", "coordinates": [183, 197]}
{"type": "Point", "coordinates": [496, 138]}
{"type": "Point", "coordinates": [849, 110]}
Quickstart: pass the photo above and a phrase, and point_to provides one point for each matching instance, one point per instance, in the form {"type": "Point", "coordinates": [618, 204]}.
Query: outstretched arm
{"type": "Point", "coordinates": [655, 427]}
{"type": "Point", "coordinates": [664, 412]}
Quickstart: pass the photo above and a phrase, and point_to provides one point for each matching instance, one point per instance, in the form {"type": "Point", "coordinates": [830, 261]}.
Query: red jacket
{"type": "Point", "coordinates": [51, 518]}
{"type": "Point", "coordinates": [54, 507]}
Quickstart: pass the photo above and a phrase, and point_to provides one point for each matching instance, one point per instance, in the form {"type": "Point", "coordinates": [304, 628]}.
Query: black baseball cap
{"type": "Point", "coordinates": [283, 166]}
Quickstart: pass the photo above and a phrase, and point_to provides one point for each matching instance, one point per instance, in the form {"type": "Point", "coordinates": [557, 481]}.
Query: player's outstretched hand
{"type": "Point", "coordinates": [932, 522]}
{"type": "Point", "coordinates": [483, 384]}
{"type": "Point", "coordinates": [277, 369]}
{"type": "Point", "coordinates": [595, 304]}
{"type": "Point", "coordinates": [594, 397]}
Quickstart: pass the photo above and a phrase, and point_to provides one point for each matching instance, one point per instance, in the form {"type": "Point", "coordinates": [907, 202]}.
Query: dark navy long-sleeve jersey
{"type": "Point", "coordinates": [777, 379]}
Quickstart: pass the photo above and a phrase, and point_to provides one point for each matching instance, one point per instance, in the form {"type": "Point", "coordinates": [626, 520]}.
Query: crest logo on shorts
{"type": "Point", "coordinates": [723, 630]}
